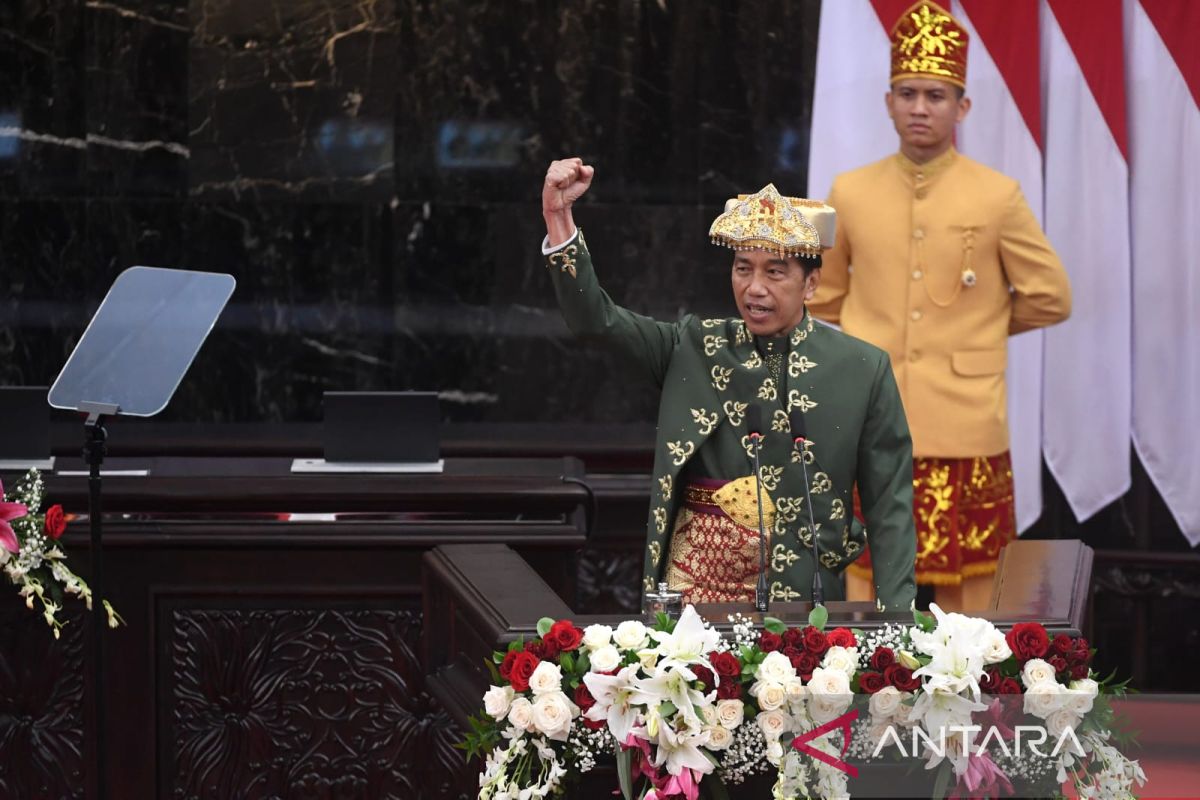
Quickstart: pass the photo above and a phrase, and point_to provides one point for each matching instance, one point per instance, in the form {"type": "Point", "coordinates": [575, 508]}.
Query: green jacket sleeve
{"type": "Point", "coordinates": [885, 491]}
{"type": "Point", "coordinates": [593, 316]}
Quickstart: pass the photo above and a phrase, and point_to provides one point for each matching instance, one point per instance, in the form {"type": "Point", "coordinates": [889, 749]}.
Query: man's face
{"type": "Point", "coordinates": [770, 291]}
{"type": "Point", "coordinates": [925, 112]}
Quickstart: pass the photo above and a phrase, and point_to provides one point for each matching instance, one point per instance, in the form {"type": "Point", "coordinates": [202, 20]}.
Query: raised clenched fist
{"type": "Point", "coordinates": [566, 181]}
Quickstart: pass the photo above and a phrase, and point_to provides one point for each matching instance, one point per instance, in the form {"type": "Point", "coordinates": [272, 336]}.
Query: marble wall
{"type": "Point", "coordinates": [369, 170]}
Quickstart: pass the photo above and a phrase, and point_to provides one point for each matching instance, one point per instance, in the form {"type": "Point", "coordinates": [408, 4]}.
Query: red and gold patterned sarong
{"type": "Point", "coordinates": [712, 558]}
{"type": "Point", "coordinates": [963, 509]}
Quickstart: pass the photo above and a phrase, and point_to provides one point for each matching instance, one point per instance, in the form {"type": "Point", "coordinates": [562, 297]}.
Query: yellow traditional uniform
{"type": "Point", "coordinates": [937, 264]}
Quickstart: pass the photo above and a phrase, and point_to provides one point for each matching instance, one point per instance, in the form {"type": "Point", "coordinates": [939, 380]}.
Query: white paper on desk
{"type": "Point", "coordinates": [410, 467]}
{"type": "Point", "coordinates": [104, 473]}
{"type": "Point", "coordinates": [20, 463]}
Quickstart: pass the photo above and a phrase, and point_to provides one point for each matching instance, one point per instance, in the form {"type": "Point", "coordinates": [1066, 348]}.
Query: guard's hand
{"type": "Point", "coordinates": [566, 182]}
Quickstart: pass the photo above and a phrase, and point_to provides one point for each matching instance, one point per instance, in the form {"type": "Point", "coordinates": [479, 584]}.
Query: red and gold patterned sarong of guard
{"type": "Point", "coordinates": [963, 509]}
{"type": "Point", "coordinates": [712, 558]}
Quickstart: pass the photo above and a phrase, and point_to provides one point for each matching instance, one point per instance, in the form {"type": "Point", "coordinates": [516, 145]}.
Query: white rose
{"type": "Point", "coordinates": [770, 695]}
{"type": "Point", "coordinates": [596, 636]}
{"type": "Point", "coordinates": [774, 751]}
{"type": "Point", "coordinates": [773, 724]}
{"type": "Point", "coordinates": [903, 713]}
{"type": "Point", "coordinates": [1043, 699]}
{"type": "Point", "coordinates": [552, 714]}
{"type": "Point", "coordinates": [719, 738]}
{"type": "Point", "coordinates": [520, 714]}
{"type": "Point", "coordinates": [630, 634]}
{"type": "Point", "coordinates": [776, 668]}
{"type": "Point", "coordinates": [1081, 694]}
{"type": "Point", "coordinates": [1059, 721]}
{"type": "Point", "coordinates": [730, 713]}
{"type": "Point", "coordinates": [605, 658]}
{"type": "Point", "coordinates": [878, 730]}
{"type": "Point", "coordinates": [546, 678]}
{"type": "Point", "coordinates": [825, 708]}
{"type": "Point", "coordinates": [497, 700]}
{"type": "Point", "coordinates": [795, 692]}
{"type": "Point", "coordinates": [844, 659]}
{"type": "Point", "coordinates": [995, 647]}
{"type": "Point", "coordinates": [828, 682]}
{"type": "Point", "coordinates": [1036, 671]}
{"type": "Point", "coordinates": [885, 702]}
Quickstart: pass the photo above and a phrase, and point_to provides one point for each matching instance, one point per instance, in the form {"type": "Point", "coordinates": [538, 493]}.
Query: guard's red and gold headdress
{"type": "Point", "coordinates": [927, 42]}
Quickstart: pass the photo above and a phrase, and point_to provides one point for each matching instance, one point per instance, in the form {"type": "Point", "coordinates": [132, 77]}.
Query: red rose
{"type": "Point", "coordinates": [730, 689]}
{"type": "Point", "coordinates": [704, 675]}
{"type": "Point", "coordinates": [842, 637]}
{"type": "Point", "coordinates": [1028, 640]}
{"type": "Point", "coordinates": [797, 659]}
{"type": "Point", "coordinates": [565, 635]}
{"type": "Point", "coordinates": [902, 678]}
{"type": "Point", "coordinates": [769, 642]}
{"type": "Point", "coordinates": [523, 667]}
{"type": "Point", "coordinates": [793, 637]}
{"type": "Point", "coordinates": [808, 662]}
{"type": "Point", "coordinates": [1082, 653]}
{"type": "Point", "coordinates": [989, 681]}
{"type": "Point", "coordinates": [507, 664]}
{"type": "Point", "coordinates": [882, 658]}
{"type": "Point", "coordinates": [583, 698]}
{"type": "Point", "coordinates": [594, 724]}
{"type": "Point", "coordinates": [55, 521]}
{"type": "Point", "coordinates": [544, 649]}
{"type": "Point", "coordinates": [871, 682]}
{"type": "Point", "coordinates": [1062, 645]}
{"type": "Point", "coordinates": [1079, 672]}
{"type": "Point", "coordinates": [1058, 662]}
{"type": "Point", "coordinates": [815, 642]}
{"type": "Point", "coordinates": [726, 665]}
{"type": "Point", "coordinates": [1009, 686]}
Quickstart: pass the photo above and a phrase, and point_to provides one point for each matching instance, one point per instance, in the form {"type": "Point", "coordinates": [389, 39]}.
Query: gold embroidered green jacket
{"type": "Point", "coordinates": [709, 371]}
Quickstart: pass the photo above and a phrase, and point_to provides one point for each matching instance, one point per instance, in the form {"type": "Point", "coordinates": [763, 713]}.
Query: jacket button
{"type": "Point", "coordinates": [916, 315]}
{"type": "Point", "coordinates": [915, 355]}
{"type": "Point", "coordinates": [918, 234]}
{"type": "Point", "coordinates": [920, 194]}
{"type": "Point", "coordinates": [917, 274]}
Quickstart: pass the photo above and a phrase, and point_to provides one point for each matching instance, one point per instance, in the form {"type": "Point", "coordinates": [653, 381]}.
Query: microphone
{"type": "Point", "coordinates": [754, 426]}
{"type": "Point", "coordinates": [796, 421]}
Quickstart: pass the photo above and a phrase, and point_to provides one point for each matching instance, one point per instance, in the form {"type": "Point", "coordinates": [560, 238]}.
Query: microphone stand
{"type": "Point", "coordinates": [760, 589]}
{"type": "Point", "coordinates": [796, 423]}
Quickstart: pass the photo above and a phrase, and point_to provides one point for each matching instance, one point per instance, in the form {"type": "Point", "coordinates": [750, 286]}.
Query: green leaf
{"type": "Point", "coordinates": [516, 644]}
{"type": "Point", "coordinates": [942, 782]}
{"type": "Point", "coordinates": [774, 625]}
{"type": "Point", "coordinates": [583, 663]}
{"type": "Point", "coordinates": [818, 617]}
{"type": "Point", "coordinates": [567, 662]}
{"type": "Point", "coordinates": [544, 625]}
{"type": "Point", "coordinates": [925, 622]}
{"type": "Point", "coordinates": [667, 709]}
{"type": "Point", "coordinates": [624, 772]}
{"type": "Point", "coordinates": [495, 673]}
{"type": "Point", "coordinates": [497, 658]}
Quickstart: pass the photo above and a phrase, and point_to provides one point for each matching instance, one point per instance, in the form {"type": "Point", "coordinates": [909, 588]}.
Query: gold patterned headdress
{"type": "Point", "coordinates": [766, 220]}
{"type": "Point", "coordinates": [927, 42]}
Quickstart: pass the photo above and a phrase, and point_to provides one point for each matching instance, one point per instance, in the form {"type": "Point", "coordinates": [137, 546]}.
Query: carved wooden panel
{"type": "Point", "coordinates": [610, 581]}
{"type": "Point", "coordinates": [313, 703]}
{"type": "Point", "coordinates": [41, 705]}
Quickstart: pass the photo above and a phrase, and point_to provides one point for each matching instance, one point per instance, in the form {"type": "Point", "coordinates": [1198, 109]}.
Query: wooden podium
{"type": "Point", "coordinates": [478, 598]}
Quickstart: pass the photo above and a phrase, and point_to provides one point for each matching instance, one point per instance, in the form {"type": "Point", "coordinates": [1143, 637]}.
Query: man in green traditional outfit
{"type": "Point", "coordinates": [702, 534]}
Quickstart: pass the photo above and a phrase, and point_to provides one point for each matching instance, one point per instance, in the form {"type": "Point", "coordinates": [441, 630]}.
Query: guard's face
{"type": "Point", "coordinates": [770, 291]}
{"type": "Point", "coordinates": [925, 111]}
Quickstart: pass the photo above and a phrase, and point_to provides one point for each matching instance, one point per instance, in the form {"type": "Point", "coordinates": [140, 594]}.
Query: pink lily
{"type": "Point", "coordinates": [982, 779]}
{"type": "Point", "coordinates": [685, 783]}
{"type": "Point", "coordinates": [9, 512]}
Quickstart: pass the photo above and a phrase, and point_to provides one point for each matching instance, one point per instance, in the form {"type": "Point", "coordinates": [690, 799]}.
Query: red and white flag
{"type": "Point", "coordinates": [1086, 415]}
{"type": "Point", "coordinates": [1003, 131]}
{"type": "Point", "coordinates": [1163, 76]}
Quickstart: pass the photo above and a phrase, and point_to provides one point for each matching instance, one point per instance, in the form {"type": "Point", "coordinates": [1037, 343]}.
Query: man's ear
{"type": "Point", "coordinates": [811, 283]}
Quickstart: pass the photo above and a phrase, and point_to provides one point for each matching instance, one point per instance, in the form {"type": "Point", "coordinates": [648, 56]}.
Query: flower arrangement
{"type": "Point", "coordinates": [31, 556]}
{"type": "Point", "coordinates": [684, 711]}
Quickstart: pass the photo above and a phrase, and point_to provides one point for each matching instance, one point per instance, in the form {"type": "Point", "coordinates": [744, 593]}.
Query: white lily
{"type": "Point", "coordinates": [680, 749]}
{"type": "Point", "coordinates": [689, 643]}
{"type": "Point", "coordinates": [613, 695]}
{"type": "Point", "coordinates": [674, 686]}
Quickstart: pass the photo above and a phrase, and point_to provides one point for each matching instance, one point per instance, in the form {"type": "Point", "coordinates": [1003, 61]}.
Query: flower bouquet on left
{"type": "Point", "coordinates": [31, 556]}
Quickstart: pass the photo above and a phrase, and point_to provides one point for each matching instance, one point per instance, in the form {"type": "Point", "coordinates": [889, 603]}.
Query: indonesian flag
{"type": "Point", "coordinates": [1086, 415]}
{"type": "Point", "coordinates": [1003, 131]}
{"type": "Point", "coordinates": [1163, 75]}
